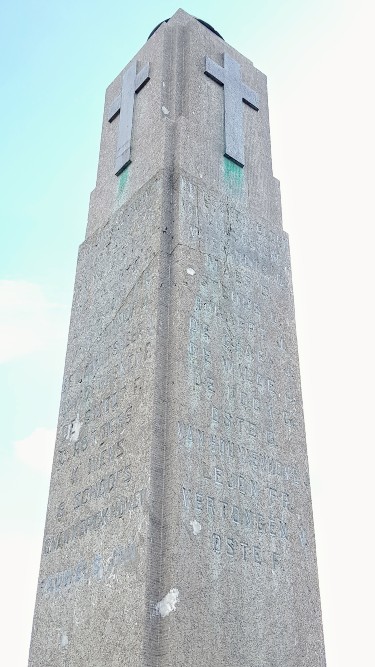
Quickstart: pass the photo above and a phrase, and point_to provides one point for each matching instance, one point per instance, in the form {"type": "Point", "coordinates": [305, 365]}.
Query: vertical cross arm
{"type": "Point", "coordinates": [235, 91]}
{"type": "Point", "coordinates": [123, 105]}
{"type": "Point", "coordinates": [126, 119]}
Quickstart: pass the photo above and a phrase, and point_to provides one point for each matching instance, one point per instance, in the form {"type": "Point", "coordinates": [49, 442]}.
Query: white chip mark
{"type": "Point", "coordinates": [190, 271]}
{"type": "Point", "coordinates": [168, 603]}
{"type": "Point", "coordinates": [64, 640]}
{"type": "Point", "coordinates": [165, 111]}
{"type": "Point", "coordinates": [74, 429]}
{"type": "Point", "coordinates": [196, 526]}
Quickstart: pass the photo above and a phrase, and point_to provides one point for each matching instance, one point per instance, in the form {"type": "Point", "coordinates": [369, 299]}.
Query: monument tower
{"type": "Point", "coordinates": [179, 528]}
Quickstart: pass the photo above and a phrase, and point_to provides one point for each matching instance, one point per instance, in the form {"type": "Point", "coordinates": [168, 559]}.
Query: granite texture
{"type": "Point", "coordinates": [179, 528]}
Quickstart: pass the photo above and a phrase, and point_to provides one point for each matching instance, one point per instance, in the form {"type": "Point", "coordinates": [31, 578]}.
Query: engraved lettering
{"type": "Point", "coordinates": [210, 505]}
{"type": "Point", "coordinates": [257, 554]}
{"type": "Point", "coordinates": [216, 543]}
{"type": "Point", "coordinates": [230, 546]}
{"type": "Point", "coordinates": [275, 560]}
{"type": "Point", "coordinates": [218, 476]}
{"type": "Point", "coordinates": [198, 502]}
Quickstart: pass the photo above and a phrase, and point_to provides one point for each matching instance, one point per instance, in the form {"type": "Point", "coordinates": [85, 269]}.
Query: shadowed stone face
{"type": "Point", "coordinates": [207, 25]}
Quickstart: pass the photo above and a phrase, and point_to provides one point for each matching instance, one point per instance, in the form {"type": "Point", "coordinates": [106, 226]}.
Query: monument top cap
{"type": "Point", "coordinates": [207, 25]}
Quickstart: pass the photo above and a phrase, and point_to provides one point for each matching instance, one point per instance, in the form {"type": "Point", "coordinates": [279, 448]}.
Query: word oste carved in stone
{"type": "Point", "coordinates": [124, 105]}
{"type": "Point", "coordinates": [235, 92]}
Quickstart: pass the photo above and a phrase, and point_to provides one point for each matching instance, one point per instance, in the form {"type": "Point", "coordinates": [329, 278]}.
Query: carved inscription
{"type": "Point", "coordinates": [113, 373]}
{"type": "Point", "coordinates": [71, 450]}
{"type": "Point", "coordinates": [101, 487]}
{"type": "Point", "coordinates": [265, 251]}
{"type": "Point", "coordinates": [236, 515]}
{"type": "Point", "coordinates": [93, 449]}
{"type": "Point", "coordinates": [225, 349]}
{"type": "Point", "coordinates": [122, 506]}
{"type": "Point", "coordinates": [106, 456]}
{"type": "Point", "coordinates": [261, 464]}
{"type": "Point", "coordinates": [84, 572]}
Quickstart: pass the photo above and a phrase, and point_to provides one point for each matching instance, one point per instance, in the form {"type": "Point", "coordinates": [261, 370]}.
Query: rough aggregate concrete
{"type": "Point", "coordinates": [179, 527]}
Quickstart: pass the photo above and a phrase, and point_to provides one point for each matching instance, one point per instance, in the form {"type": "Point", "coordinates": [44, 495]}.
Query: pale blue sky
{"type": "Point", "coordinates": [56, 61]}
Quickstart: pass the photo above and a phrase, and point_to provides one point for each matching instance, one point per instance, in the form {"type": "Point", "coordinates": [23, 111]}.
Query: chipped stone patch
{"type": "Point", "coordinates": [74, 429]}
{"type": "Point", "coordinates": [196, 526]}
{"type": "Point", "coordinates": [168, 603]}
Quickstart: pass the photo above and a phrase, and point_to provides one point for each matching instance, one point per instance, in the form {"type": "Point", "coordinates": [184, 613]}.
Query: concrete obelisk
{"type": "Point", "coordinates": [179, 528]}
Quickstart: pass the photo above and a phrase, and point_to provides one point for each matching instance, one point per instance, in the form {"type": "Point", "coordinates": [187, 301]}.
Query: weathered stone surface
{"type": "Point", "coordinates": [179, 529]}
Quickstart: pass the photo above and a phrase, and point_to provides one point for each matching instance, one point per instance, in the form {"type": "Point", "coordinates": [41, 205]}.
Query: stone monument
{"type": "Point", "coordinates": [179, 528]}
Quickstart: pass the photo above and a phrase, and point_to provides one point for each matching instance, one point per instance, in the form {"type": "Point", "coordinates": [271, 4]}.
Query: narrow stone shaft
{"type": "Point", "coordinates": [179, 527]}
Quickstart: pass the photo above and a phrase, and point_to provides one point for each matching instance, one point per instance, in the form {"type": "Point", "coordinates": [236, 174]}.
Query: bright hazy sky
{"type": "Point", "coordinates": [56, 61]}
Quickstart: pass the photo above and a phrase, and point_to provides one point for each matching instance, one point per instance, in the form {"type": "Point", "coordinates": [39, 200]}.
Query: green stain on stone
{"type": "Point", "coordinates": [233, 174]}
{"type": "Point", "coordinates": [122, 180]}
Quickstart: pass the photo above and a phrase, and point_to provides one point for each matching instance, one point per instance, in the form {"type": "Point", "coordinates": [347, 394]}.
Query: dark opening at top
{"type": "Point", "coordinates": [206, 25]}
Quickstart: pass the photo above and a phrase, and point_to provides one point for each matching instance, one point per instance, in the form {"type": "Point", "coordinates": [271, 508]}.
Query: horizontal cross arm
{"type": "Point", "coordinates": [214, 71]}
{"type": "Point", "coordinates": [114, 109]}
{"type": "Point", "coordinates": [250, 97]}
{"type": "Point", "coordinates": [142, 77]}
